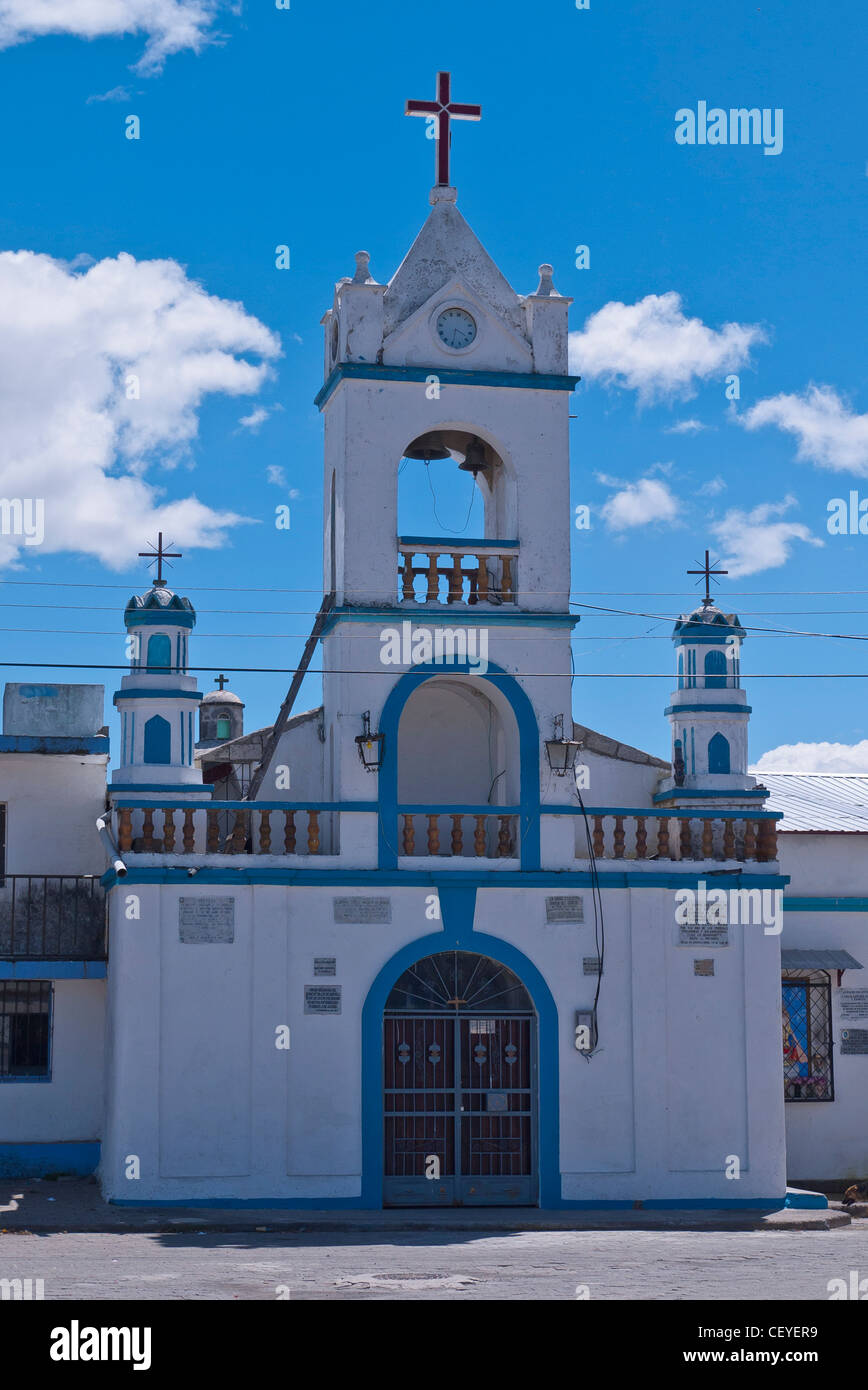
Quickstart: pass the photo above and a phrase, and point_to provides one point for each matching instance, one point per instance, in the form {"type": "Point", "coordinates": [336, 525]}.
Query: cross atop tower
{"type": "Point", "coordinates": [221, 680]}
{"type": "Point", "coordinates": [710, 572]}
{"type": "Point", "coordinates": [157, 553]}
{"type": "Point", "coordinates": [445, 110]}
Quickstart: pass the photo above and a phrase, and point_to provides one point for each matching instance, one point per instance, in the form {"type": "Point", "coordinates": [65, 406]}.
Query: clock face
{"type": "Point", "coordinates": [456, 328]}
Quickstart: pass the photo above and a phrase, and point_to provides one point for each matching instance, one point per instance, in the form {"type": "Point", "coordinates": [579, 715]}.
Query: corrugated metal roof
{"type": "Point", "coordinates": [818, 960]}
{"type": "Point", "coordinates": [831, 801]}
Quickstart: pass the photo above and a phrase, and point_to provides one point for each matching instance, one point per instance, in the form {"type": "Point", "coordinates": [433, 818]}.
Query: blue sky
{"type": "Point", "coordinates": [288, 129]}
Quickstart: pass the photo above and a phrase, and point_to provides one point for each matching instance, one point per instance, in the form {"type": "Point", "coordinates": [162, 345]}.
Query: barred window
{"type": "Point", "coordinates": [25, 1029]}
{"type": "Point", "coordinates": [806, 1015]}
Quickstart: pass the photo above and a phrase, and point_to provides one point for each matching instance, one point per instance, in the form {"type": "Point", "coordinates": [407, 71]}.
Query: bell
{"type": "Point", "coordinates": [427, 447]}
{"type": "Point", "coordinates": [474, 460]}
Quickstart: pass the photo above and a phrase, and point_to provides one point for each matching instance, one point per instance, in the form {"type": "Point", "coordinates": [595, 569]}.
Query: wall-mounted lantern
{"type": "Point", "coordinates": [561, 752]}
{"type": "Point", "coordinates": [370, 745]}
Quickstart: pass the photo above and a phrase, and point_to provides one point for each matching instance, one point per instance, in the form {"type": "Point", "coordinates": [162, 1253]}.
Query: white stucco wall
{"type": "Point", "coordinates": [52, 804]}
{"type": "Point", "coordinates": [69, 1107]}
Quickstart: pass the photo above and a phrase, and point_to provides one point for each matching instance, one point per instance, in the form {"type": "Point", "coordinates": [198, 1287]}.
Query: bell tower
{"type": "Point", "coordinates": [445, 361]}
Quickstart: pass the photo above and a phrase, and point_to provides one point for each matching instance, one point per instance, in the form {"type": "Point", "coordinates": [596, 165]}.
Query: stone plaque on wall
{"type": "Point", "coordinates": [590, 965]}
{"type": "Point", "coordinates": [703, 967]}
{"type": "Point", "coordinates": [206, 921]}
{"type": "Point", "coordinates": [571, 909]}
{"type": "Point", "coordinates": [703, 934]}
{"type": "Point", "coordinates": [854, 1041]}
{"type": "Point", "coordinates": [325, 965]}
{"type": "Point", "coordinates": [363, 910]}
{"type": "Point", "coordinates": [853, 1003]}
{"type": "Point", "coordinates": [322, 999]}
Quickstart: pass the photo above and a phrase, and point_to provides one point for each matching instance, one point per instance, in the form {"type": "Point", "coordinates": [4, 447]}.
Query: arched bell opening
{"type": "Point", "coordinates": [454, 535]}
{"type": "Point", "coordinates": [459, 750]}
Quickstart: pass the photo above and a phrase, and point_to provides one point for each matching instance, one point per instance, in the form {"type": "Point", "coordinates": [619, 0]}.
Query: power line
{"type": "Point", "coordinates": [446, 669]}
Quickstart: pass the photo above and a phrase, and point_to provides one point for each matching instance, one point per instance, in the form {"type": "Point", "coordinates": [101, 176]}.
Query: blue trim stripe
{"type": "Point", "coordinates": [448, 376]}
{"type": "Point", "coordinates": [52, 970]}
{"type": "Point", "coordinates": [826, 904]}
{"type": "Point", "coordinates": [429, 615]}
{"type": "Point", "coordinates": [156, 695]}
{"type": "Point", "coordinates": [565, 879]}
{"type": "Point", "coordinates": [712, 709]}
{"type": "Point", "coordinates": [466, 542]}
{"type": "Point", "coordinates": [50, 743]}
{"type": "Point", "coordinates": [159, 618]}
{"type": "Point", "coordinates": [679, 793]}
{"type": "Point", "coordinates": [38, 1160]}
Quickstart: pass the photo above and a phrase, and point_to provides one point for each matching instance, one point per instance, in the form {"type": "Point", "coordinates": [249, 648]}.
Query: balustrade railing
{"type": "Point", "coordinates": [489, 834]}
{"type": "Point", "coordinates": [433, 571]}
{"type": "Point", "coordinates": [674, 836]}
{"type": "Point", "coordinates": [224, 828]}
{"type": "Point", "coordinates": [52, 917]}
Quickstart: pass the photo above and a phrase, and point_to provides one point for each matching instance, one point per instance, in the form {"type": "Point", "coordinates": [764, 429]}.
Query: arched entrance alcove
{"type": "Point", "coordinates": [460, 740]}
{"type": "Point", "coordinates": [462, 993]}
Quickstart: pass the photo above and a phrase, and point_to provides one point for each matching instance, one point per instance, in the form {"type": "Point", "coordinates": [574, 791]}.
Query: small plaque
{"type": "Point", "coordinates": [853, 1003]}
{"type": "Point", "coordinates": [571, 909]}
{"type": "Point", "coordinates": [703, 933]}
{"type": "Point", "coordinates": [322, 999]}
{"type": "Point", "coordinates": [206, 921]}
{"type": "Point", "coordinates": [363, 910]}
{"type": "Point", "coordinates": [703, 967]}
{"type": "Point", "coordinates": [590, 965]}
{"type": "Point", "coordinates": [854, 1041]}
{"type": "Point", "coordinates": [325, 965]}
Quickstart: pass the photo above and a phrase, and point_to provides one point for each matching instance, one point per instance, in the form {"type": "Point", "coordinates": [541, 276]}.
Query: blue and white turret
{"type": "Point", "coordinates": [158, 702]}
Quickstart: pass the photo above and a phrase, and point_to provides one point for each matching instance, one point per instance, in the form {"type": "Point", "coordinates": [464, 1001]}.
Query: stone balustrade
{"type": "Point", "coordinates": [472, 833]}
{"type": "Point", "coordinates": [675, 836]}
{"type": "Point", "coordinates": [435, 571]}
{"type": "Point", "coordinates": [220, 828]}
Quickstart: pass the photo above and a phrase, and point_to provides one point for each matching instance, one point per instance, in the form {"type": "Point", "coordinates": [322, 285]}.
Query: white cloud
{"type": "Point", "coordinates": [652, 348]}
{"type": "Point", "coordinates": [116, 93]}
{"type": "Point", "coordinates": [815, 757]}
{"type": "Point", "coordinates": [686, 427]}
{"type": "Point", "coordinates": [711, 488]}
{"type": "Point", "coordinates": [754, 541]}
{"type": "Point", "coordinates": [169, 25]}
{"type": "Point", "coordinates": [257, 417]}
{"type": "Point", "coordinates": [639, 504]}
{"type": "Point", "coordinates": [75, 351]}
{"type": "Point", "coordinates": [275, 475]}
{"type": "Point", "coordinates": [829, 432]}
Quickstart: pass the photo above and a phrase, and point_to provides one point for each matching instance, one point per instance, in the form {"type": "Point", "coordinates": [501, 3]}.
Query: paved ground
{"type": "Point", "coordinates": [449, 1265]}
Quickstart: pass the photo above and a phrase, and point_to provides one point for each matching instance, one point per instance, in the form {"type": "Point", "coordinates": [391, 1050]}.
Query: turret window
{"type": "Point", "coordinates": [224, 728]}
{"type": "Point", "coordinates": [718, 754]}
{"type": "Point", "coordinates": [715, 670]}
{"type": "Point", "coordinates": [159, 651]}
{"type": "Point", "coordinates": [158, 739]}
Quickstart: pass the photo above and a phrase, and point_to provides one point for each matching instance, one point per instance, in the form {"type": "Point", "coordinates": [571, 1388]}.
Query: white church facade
{"type": "Point", "coordinates": [445, 946]}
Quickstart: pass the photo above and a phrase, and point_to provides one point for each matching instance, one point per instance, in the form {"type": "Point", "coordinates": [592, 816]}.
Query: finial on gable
{"type": "Point", "coordinates": [546, 284]}
{"type": "Point", "coordinates": [363, 274]}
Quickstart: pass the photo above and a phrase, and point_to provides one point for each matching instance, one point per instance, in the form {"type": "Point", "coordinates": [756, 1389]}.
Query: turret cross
{"type": "Point", "coordinates": [445, 110]}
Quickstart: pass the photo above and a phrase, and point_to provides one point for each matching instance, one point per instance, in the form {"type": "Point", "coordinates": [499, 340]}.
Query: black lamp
{"type": "Point", "coordinates": [370, 745]}
{"type": "Point", "coordinates": [561, 752]}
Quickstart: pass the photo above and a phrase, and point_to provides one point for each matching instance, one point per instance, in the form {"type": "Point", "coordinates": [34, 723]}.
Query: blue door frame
{"type": "Point", "coordinates": [458, 906]}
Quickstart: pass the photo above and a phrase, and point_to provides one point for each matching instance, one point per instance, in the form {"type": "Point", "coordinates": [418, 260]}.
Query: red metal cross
{"type": "Point", "coordinates": [445, 109]}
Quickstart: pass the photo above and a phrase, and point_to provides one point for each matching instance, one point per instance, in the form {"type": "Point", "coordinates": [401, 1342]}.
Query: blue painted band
{"type": "Point", "coordinates": [369, 806]}
{"type": "Point", "coordinates": [678, 793]}
{"type": "Point", "coordinates": [566, 880]}
{"type": "Point", "coordinates": [715, 638]}
{"type": "Point", "coordinates": [826, 904]}
{"type": "Point", "coordinates": [711, 709]}
{"type": "Point", "coordinates": [430, 616]}
{"type": "Point", "coordinates": [660, 813]}
{"type": "Point", "coordinates": [159, 617]}
{"type": "Point", "coordinates": [357, 1204]}
{"type": "Point", "coordinates": [50, 743]}
{"type": "Point", "coordinates": [52, 970]}
{"type": "Point", "coordinates": [157, 695]}
{"type": "Point", "coordinates": [38, 1160]}
{"type": "Point", "coordinates": [203, 791]}
{"type": "Point", "coordinates": [465, 543]}
{"type": "Point", "coordinates": [248, 1203]}
{"type": "Point", "coordinates": [486, 810]}
{"type": "Point", "coordinates": [447, 376]}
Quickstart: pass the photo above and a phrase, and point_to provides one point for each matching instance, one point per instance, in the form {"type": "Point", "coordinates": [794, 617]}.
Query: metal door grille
{"type": "Point", "coordinates": [459, 1085]}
